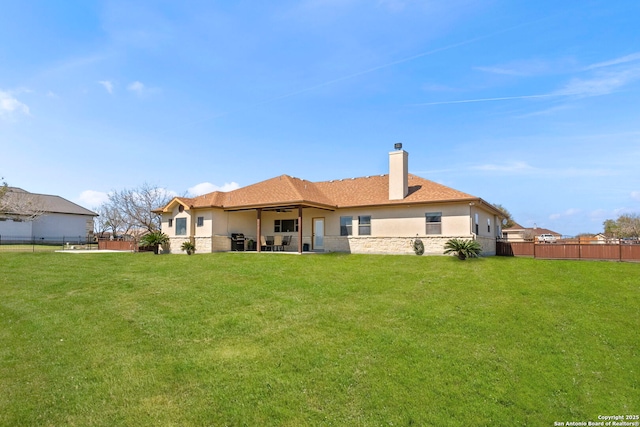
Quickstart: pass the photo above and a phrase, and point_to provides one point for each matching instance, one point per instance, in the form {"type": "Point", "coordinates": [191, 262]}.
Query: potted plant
{"type": "Point", "coordinates": [463, 248]}
{"type": "Point", "coordinates": [188, 247]}
{"type": "Point", "coordinates": [155, 239]}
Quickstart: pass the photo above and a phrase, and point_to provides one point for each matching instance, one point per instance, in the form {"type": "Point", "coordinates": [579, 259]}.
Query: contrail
{"type": "Point", "coordinates": [465, 101]}
{"type": "Point", "coordinates": [376, 68]}
{"type": "Point", "coordinates": [399, 61]}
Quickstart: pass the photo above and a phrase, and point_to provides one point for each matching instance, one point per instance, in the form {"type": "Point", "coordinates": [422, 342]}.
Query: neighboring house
{"type": "Point", "coordinates": [373, 214]}
{"type": "Point", "coordinates": [518, 233]}
{"type": "Point", "coordinates": [42, 217]}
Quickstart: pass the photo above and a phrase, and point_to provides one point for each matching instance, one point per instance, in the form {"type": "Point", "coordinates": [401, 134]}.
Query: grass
{"type": "Point", "coordinates": [30, 248]}
{"type": "Point", "coordinates": [246, 339]}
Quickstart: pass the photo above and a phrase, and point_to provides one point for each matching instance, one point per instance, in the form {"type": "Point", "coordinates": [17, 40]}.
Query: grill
{"type": "Point", "coordinates": [237, 242]}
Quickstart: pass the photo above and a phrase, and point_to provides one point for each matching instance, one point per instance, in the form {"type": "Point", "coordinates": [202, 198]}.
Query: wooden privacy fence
{"type": "Point", "coordinates": [117, 245]}
{"type": "Point", "coordinates": [614, 252]}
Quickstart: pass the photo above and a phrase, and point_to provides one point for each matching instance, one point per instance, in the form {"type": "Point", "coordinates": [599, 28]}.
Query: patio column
{"type": "Point", "coordinates": [300, 229]}
{"type": "Point", "coordinates": [259, 229]}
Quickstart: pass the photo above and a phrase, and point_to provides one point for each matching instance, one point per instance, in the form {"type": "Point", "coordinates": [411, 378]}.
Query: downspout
{"type": "Point", "coordinates": [300, 229]}
{"type": "Point", "coordinates": [473, 235]}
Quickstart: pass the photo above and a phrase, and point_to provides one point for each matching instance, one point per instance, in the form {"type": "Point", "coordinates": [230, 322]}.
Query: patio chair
{"type": "Point", "coordinates": [286, 241]}
{"type": "Point", "coordinates": [264, 244]}
{"type": "Point", "coordinates": [277, 243]}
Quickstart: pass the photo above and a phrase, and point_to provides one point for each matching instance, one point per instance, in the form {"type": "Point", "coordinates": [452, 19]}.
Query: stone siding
{"type": "Point", "coordinates": [220, 243]}
{"type": "Point", "coordinates": [433, 245]}
{"type": "Point", "coordinates": [174, 245]}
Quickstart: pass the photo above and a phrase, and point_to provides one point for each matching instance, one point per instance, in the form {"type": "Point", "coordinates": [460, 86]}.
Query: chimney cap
{"type": "Point", "coordinates": [398, 145]}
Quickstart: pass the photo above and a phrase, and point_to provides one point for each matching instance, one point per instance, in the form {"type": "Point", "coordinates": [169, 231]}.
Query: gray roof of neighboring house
{"type": "Point", "coordinates": [537, 230]}
{"type": "Point", "coordinates": [50, 204]}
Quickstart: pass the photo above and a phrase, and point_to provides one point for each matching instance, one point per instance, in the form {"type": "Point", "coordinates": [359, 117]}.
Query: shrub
{"type": "Point", "coordinates": [418, 246]}
{"type": "Point", "coordinates": [463, 248]}
{"type": "Point", "coordinates": [155, 239]}
{"type": "Point", "coordinates": [188, 247]}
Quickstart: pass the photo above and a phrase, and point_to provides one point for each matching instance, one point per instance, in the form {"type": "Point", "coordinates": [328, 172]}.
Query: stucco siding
{"type": "Point", "coordinates": [392, 228]}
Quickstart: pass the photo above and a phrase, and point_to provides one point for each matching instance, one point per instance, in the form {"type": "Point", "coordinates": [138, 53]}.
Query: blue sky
{"type": "Point", "coordinates": [532, 105]}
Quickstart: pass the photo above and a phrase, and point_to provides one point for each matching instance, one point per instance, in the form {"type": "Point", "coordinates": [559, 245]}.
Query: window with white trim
{"type": "Point", "coordinates": [433, 223]}
{"type": "Point", "coordinates": [181, 226]}
{"type": "Point", "coordinates": [346, 225]}
{"type": "Point", "coordinates": [364, 225]}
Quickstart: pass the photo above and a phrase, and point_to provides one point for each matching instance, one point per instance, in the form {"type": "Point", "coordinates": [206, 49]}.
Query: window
{"type": "Point", "coordinates": [434, 222]}
{"type": "Point", "coordinates": [477, 225]}
{"type": "Point", "coordinates": [489, 225]}
{"type": "Point", "coordinates": [181, 226]}
{"type": "Point", "coordinates": [285, 225]}
{"type": "Point", "coordinates": [345, 225]}
{"type": "Point", "coordinates": [200, 221]}
{"type": "Point", "coordinates": [364, 225]}
{"type": "Point", "coordinates": [170, 222]}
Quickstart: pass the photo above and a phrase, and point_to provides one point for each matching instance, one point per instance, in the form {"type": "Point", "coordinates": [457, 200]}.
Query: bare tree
{"type": "Point", "coordinates": [110, 219]}
{"type": "Point", "coordinates": [130, 210]}
{"type": "Point", "coordinates": [19, 204]}
{"type": "Point", "coordinates": [3, 189]}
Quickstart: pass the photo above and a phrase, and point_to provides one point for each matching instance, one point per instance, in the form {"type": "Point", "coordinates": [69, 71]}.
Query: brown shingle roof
{"type": "Point", "coordinates": [352, 192]}
{"type": "Point", "coordinates": [374, 190]}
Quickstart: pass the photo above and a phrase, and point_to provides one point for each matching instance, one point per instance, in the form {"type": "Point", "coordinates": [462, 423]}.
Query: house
{"type": "Point", "coordinates": [43, 217]}
{"type": "Point", "coordinates": [372, 214]}
{"type": "Point", "coordinates": [518, 233]}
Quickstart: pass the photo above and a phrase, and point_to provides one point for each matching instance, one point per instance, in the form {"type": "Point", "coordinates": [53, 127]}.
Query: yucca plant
{"type": "Point", "coordinates": [463, 248]}
{"type": "Point", "coordinates": [188, 247]}
{"type": "Point", "coordinates": [155, 239]}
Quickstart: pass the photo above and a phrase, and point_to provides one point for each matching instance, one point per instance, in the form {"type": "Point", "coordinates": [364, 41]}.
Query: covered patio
{"type": "Point", "coordinates": [317, 228]}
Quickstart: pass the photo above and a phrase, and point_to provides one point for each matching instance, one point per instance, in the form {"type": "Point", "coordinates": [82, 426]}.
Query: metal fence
{"type": "Point", "coordinates": [10, 243]}
{"type": "Point", "coordinates": [622, 251]}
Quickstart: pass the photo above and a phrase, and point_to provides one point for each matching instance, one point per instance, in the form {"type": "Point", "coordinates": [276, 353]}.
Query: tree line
{"type": "Point", "coordinates": [626, 226]}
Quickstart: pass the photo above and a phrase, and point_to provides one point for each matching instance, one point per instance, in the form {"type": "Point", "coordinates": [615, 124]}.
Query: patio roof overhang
{"type": "Point", "coordinates": [280, 206]}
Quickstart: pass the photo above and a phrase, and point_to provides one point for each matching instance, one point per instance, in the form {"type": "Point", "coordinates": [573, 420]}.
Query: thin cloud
{"type": "Point", "coordinates": [519, 68]}
{"type": "Point", "coordinates": [136, 87]}
{"type": "Point", "coordinates": [546, 112]}
{"type": "Point", "coordinates": [622, 60]}
{"type": "Point", "coordinates": [568, 213]}
{"type": "Point", "coordinates": [602, 84]}
{"type": "Point", "coordinates": [517, 166]}
{"type": "Point", "coordinates": [92, 198]}
{"type": "Point", "coordinates": [107, 85]}
{"type": "Point", "coordinates": [141, 89]}
{"type": "Point", "coordinates": [9, 105]}
{"type": "Point", "coordinates": [635, 195]}
{"type": "Point", "coordinates": [207, 187]}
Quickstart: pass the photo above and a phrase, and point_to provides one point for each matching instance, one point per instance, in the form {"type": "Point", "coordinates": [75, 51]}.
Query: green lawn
{"type": "Point", "coordinates": [269, 339]}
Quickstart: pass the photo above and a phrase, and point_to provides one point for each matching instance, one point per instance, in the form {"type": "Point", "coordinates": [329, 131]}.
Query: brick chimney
{"type": "Point", "coordinates": [398, 173]}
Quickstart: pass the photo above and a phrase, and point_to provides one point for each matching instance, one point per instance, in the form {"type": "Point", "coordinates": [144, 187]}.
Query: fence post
{"type": "Point", "coordinates": [620, 250]}
{"type": "Point", "coordinates": [579, 249]}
